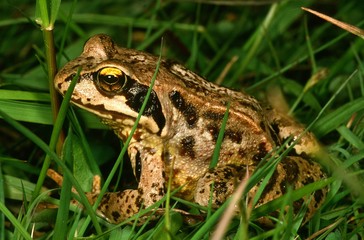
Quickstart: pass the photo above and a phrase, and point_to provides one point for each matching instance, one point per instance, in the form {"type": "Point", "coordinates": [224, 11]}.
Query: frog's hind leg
{"type": "Point", "coordinates": [119, 206]}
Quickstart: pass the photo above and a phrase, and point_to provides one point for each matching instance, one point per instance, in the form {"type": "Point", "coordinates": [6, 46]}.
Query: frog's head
{"type": "Point", "coordinates": [108, 87]}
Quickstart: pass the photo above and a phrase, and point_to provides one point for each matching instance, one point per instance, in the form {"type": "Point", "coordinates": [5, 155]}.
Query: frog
{"type": "Point", "coordinates": [176, 136]}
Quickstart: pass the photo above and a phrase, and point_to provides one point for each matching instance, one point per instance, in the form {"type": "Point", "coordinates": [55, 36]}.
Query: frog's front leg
{"type": "Point", "coordinates": [147, 163]}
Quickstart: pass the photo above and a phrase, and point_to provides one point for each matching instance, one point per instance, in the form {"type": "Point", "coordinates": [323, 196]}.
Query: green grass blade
{"type": "Point", "coordinates": [216, 154]}
{"type": "Point", "coordinates": [54, 7]}
{"type": "Point", "coordinates": [41, 13]}
{"type": "Point", "coordinates": [14, 221]}
{"type": "Point", "coordinates": [334, 119]}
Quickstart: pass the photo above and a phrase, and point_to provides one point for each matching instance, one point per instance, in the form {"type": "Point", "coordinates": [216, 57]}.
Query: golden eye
{"type": "Point", "coordinates": [111, 79]}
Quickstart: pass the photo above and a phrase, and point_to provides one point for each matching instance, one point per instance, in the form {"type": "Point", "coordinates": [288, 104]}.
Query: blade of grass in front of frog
{"type": "Point", "coordinates": [210, 222]}
{"type": "Point", "coordinates": [67, 173]}
{"type": "Point", "coordinates": [65, 194]}
{"type": "Point", "coordinates": [159, 230]}
{"type": "Point", "coordinates": [216, 153]}
{"type": "Point", "coordinates": [149, 212]}
{"type": "Point", "coordinates": [229, 213]}
{"type": "Point", "coordinates": [265, 171]}
{"type": "Point", "coordinates": [126, 143]}
{"type": "Point", "coordinates": [220, 137]}
{"type": "Point", "coordinates": [297, 194]}
{"type": "Point", "coordinates": [263, 174]}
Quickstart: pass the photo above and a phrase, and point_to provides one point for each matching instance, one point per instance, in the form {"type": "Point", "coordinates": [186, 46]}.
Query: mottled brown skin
{"type": "Point", "coordinates": [177, 133]}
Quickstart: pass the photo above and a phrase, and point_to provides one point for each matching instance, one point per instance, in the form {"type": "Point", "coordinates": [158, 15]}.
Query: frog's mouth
{"type": "Point", "coordinates": [119, 119]}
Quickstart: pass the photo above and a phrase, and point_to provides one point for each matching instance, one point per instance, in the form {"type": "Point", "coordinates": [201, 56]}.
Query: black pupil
{"type": "Point", "coordinates": [110, 79]}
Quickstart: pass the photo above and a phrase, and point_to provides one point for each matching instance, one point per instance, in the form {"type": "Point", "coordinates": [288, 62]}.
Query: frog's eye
{"type": "Point", "coordinates": [111, 80]}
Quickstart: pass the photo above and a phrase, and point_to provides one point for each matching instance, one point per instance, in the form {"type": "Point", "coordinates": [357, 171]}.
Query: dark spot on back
{"type": "Point", "coordinates": [140, 191]}
{"type": "Point", "coordinates": [135, 94]}
{"type": "Point", "coordinates": [116, 215]}
{"type": "Point", "coordinates": [213, 116]}
{"type": "Point", "coordinates": [138, 201]}
{"type": "Point", "coordinates": [235, 136]}
{"type": "Point", "coordinates": [292, 170]}
{"type": "Point", "coordinates": [188, 111]}
{"type": "Point", "coordinates": [308, 180]}
{"type": "Point", "coordinates": [228, 173]}
{"type": "Point", "coordinates": [187, 145]}
{"type": "Point", "coordinates": [213, 130]}
{"type": "Point", "coordinates": [261, 153]}
{"type": "Point", "coordinates": [272, 181]}
{"type": "Point", "coordinates": [318, 196]}
{"type": "Point", "coordinates": [297, 205]}
{"type": "Point", "coordinates": [161, 191]}
{"type": "Point", "coordinates": [68, 79]}
{"type": "Point", "coordinates": [220, 188]}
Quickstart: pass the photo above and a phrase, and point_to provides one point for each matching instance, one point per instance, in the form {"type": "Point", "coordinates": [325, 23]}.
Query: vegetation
{"type": "Point", "coordinates": [256, 46]}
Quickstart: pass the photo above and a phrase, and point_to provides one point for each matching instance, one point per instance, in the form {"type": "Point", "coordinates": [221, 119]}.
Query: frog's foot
{"type": "Point", "coordinates": [223, 180]}
{"type": "Point", "coordinates": [58, 178]}
{"type": "Point", "coordinates": [114, 207]}
{"type": "Point", "coordinates": [91, 196]}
